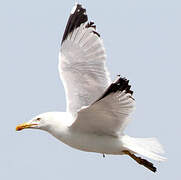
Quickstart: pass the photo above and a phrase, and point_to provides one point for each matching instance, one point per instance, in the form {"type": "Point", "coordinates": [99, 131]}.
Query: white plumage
{"type": "Point", "coordinates": [97, 110]}
{"type": "Point", "coordinates": [109, 115]}
{"type": "Point", "coordinates": [82, 68]}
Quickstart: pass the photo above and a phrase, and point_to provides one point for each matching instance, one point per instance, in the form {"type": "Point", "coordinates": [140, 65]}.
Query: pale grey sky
{"type": "Point", "coordinates": [143, 42]}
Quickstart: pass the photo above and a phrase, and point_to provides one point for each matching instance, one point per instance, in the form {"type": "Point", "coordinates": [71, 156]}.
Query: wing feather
{"type": "Point", "coordinates": [82, 61]}
{"type": "Point", "coordinates": [110, 113]}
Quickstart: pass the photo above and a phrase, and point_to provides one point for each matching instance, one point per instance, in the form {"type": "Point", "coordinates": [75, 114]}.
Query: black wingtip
{"type": "Point", "coordinates": [91, 24]}
{"type": "Point", "coordinates": [121, 84]}
{"type": "Point", "coordinates": [77, 17]}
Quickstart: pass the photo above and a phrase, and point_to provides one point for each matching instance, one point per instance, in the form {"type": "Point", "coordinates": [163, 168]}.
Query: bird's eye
{"type": "Point", "coordinates": [38, 119]}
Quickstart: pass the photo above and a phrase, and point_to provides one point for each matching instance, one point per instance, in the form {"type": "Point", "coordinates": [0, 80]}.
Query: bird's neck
{"type": "Point", "coordinates": [59, 125]}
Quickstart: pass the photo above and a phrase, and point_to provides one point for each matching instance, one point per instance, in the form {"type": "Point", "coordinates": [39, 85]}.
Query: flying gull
{"type": "Point", "coordinates": [97, 110]}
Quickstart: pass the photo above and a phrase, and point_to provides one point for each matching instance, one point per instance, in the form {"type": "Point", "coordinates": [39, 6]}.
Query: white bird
{"type": "Point", "coordinates": [97, 110]}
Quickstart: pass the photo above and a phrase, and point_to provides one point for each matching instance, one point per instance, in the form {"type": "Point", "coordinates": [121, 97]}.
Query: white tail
{"type": "Point", "coordinates": [148, 147]}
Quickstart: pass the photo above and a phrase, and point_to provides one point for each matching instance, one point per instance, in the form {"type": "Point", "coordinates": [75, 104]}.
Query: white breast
{"type": "Point", "coordinates": [91, 142]}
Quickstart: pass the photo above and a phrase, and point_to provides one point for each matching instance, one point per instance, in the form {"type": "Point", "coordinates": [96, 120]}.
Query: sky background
{"type": "Point", "coordinates": [143, 43]}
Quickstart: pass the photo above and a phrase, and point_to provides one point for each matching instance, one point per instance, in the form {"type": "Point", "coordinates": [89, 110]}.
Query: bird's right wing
{"type": "Point", "coordinates": [82, 61]}
{"type": "Point", "coordinates": [110, 113]}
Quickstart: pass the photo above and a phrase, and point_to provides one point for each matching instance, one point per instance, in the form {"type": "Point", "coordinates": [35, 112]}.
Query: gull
{"type": "Point", "coordinates": [97, 109]}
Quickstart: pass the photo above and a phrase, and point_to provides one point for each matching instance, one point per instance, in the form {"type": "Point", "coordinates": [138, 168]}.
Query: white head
{"type": "Point", "coordinates": [45, 121]}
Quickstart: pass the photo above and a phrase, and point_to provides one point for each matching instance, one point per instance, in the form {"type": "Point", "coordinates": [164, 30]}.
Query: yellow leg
{"type": "Point", "coordinates": [141, 161]}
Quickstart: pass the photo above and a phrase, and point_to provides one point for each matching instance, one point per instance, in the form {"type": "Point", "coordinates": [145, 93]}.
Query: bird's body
{"type": "Point", "coordinates": [92, 142]}
{"type": "Point", "coordinates": [97, 110]}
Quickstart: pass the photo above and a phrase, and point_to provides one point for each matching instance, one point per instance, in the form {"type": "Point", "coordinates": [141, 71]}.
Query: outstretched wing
{"type": "Point", "coordinates": [82, 61]}
{"type": "Point", "coordinates": [110, 113]}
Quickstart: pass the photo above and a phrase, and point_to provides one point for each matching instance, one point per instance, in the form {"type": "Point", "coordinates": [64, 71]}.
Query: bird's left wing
{"type": "Point", "coordinates": [82, 61]}
{"type": "Point", "coordinates": [110, 113]}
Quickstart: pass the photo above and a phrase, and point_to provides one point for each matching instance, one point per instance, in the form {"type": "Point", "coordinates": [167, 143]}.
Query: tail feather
{"type": "Point", "coordinates": [148, 147]}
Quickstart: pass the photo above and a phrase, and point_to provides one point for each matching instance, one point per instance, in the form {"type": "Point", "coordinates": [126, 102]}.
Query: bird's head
{"type": "Point", "coordinates": [41, 121]}
{"type": "Point", "coordinates": [47, 121]}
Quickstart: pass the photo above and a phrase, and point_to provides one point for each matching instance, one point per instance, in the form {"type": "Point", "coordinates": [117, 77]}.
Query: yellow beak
{"type": "Point", "coordinates": [24, 126]}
